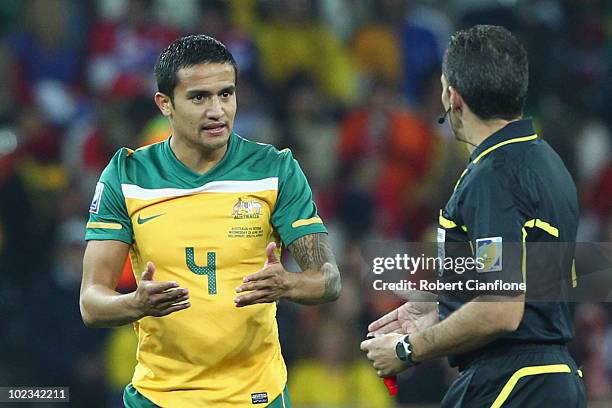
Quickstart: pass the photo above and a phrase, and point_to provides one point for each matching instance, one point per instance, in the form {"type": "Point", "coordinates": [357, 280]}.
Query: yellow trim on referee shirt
{"type": "Point", "coordinates": [460, 178]}
{"type": "Point", "coordinates": [543, 225]}
{"type": "Point", "coordinates": [105, 225]}
{"type": "Point", "coordinates": [446, 223]}
{"type": "Point", "coordinates": [301, 223]}
{"type": "Point", "coordinates": [524, 372]}
{"type": "Point", "coordinates": [524, 263]}
{"type": "Point", "coordinates": [490, 149]}
{"type": "Point", "coordinates": [515, 140]}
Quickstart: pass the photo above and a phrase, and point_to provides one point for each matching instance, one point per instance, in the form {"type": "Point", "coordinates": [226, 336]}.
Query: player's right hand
{"type": "Point", "coordinates": [406, 319]}
{"type": "Point", "coordinates": [153, 298]}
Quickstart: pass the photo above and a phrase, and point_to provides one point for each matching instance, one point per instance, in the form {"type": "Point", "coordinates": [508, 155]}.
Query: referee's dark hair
{"type": "Point", "coordinates": [488, 66]}
{"type": "Point", "coordinates": [185, 52]}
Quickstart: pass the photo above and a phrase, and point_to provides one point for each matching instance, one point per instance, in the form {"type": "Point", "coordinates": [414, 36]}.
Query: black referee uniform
{"type": "Point", "coordinates": [515, 196]}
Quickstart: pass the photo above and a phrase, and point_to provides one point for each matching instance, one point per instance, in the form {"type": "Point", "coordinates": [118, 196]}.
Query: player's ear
{"type": "Point", "coordinates": [164, 103]}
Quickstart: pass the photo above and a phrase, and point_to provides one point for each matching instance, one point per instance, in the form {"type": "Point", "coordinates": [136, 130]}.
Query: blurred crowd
{"type": "Point", "coordinates": [351, 86]}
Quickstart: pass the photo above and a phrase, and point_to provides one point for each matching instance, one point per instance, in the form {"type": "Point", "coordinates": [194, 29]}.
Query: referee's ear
{"type": "Point", "coordinates": [456, 100]}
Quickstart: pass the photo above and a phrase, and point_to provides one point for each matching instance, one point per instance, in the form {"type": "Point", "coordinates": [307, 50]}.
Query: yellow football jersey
{"type": "Point", "coordinates": [207, 232]}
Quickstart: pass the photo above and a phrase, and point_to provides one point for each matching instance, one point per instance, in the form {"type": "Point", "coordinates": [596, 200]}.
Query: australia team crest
{"type": "Point", "coordinates": [247, 208]}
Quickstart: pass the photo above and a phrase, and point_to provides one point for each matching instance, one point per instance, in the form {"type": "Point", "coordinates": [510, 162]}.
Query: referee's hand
{"type": "Point", "coordinates": [153, 298]}
{"type": "Point", "coordinates": [381, 352]}
{"type": "Point", "coordinates": [406, 319]}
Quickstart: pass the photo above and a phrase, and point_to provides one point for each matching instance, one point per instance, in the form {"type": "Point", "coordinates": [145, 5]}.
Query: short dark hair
{"type": "Point", "coordinates": [185, 52]}
{"type": "Point", "coordinates": [488, 66]}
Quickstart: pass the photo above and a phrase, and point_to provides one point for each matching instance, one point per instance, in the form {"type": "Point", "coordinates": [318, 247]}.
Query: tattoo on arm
{"type": "Point", "coordinates": [313, 252]}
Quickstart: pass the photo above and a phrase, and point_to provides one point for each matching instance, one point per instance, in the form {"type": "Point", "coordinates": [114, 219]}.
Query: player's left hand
{"type": "Point", "coordinates": [381, 351]}
{"type": "Point", "coordinates": [268, 285]}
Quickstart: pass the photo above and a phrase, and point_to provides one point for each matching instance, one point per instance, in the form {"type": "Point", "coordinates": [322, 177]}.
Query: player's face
{"type": "Point", "coordinates": [205, 105]}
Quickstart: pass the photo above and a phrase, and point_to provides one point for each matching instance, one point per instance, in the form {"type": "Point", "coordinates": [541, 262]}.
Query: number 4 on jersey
{"type": "Point", "coordinates": [210, 269]}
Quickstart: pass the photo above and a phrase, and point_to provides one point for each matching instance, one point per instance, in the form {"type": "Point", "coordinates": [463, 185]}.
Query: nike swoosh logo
{"type": "Point", "coordinates": [143, 220]}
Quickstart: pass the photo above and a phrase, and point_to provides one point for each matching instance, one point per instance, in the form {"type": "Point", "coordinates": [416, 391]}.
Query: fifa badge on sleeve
{"type": "Point", "coordinates": [489, 251]}
{"type": "Point", "coordinates": [94, 207]}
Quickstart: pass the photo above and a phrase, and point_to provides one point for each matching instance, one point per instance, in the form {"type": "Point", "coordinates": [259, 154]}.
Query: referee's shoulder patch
{"type": "Point", "coordinates": [489, 252]}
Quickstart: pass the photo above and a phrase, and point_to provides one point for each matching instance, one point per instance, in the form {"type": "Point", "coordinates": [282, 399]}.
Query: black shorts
{"type": "Point", "coordinates": [522, 376]}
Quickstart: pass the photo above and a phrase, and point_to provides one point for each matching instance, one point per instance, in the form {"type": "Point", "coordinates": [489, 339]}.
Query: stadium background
{"type": "Point", "coordinates": [351, 86]}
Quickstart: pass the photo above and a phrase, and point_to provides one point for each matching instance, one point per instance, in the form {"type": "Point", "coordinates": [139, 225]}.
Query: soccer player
{"type": "Point", "coordinates": [196, 213]}
{"type": "Point", "coordinates": [515, 191]}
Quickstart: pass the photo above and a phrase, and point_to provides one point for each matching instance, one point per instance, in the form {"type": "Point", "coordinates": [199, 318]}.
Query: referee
{"type": "Point", "coordinates": [515, 195]}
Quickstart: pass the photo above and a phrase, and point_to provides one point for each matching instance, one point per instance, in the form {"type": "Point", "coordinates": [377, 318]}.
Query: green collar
{"type": "Point", "coordinates": [187, 174]}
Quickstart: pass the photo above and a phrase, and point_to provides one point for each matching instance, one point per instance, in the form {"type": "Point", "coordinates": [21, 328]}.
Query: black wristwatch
{"type": "Point", "coordinates": [403, 350]}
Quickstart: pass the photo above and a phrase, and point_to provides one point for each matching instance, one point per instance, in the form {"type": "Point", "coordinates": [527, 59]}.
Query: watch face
{"type": "Point", "coordinates": [400, 351]}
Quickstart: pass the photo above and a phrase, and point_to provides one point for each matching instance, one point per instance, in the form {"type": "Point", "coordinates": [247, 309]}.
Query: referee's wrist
{"type": "Point", "coordinates": [404, 351]}
{"type": "Point", "coordinates": [413, 355]}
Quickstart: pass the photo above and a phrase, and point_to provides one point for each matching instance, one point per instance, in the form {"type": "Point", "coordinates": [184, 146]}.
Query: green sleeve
{"type": "Point", "coordinates": [108, 216]}
{"type": "Point", "coordinates": [295, 213]}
